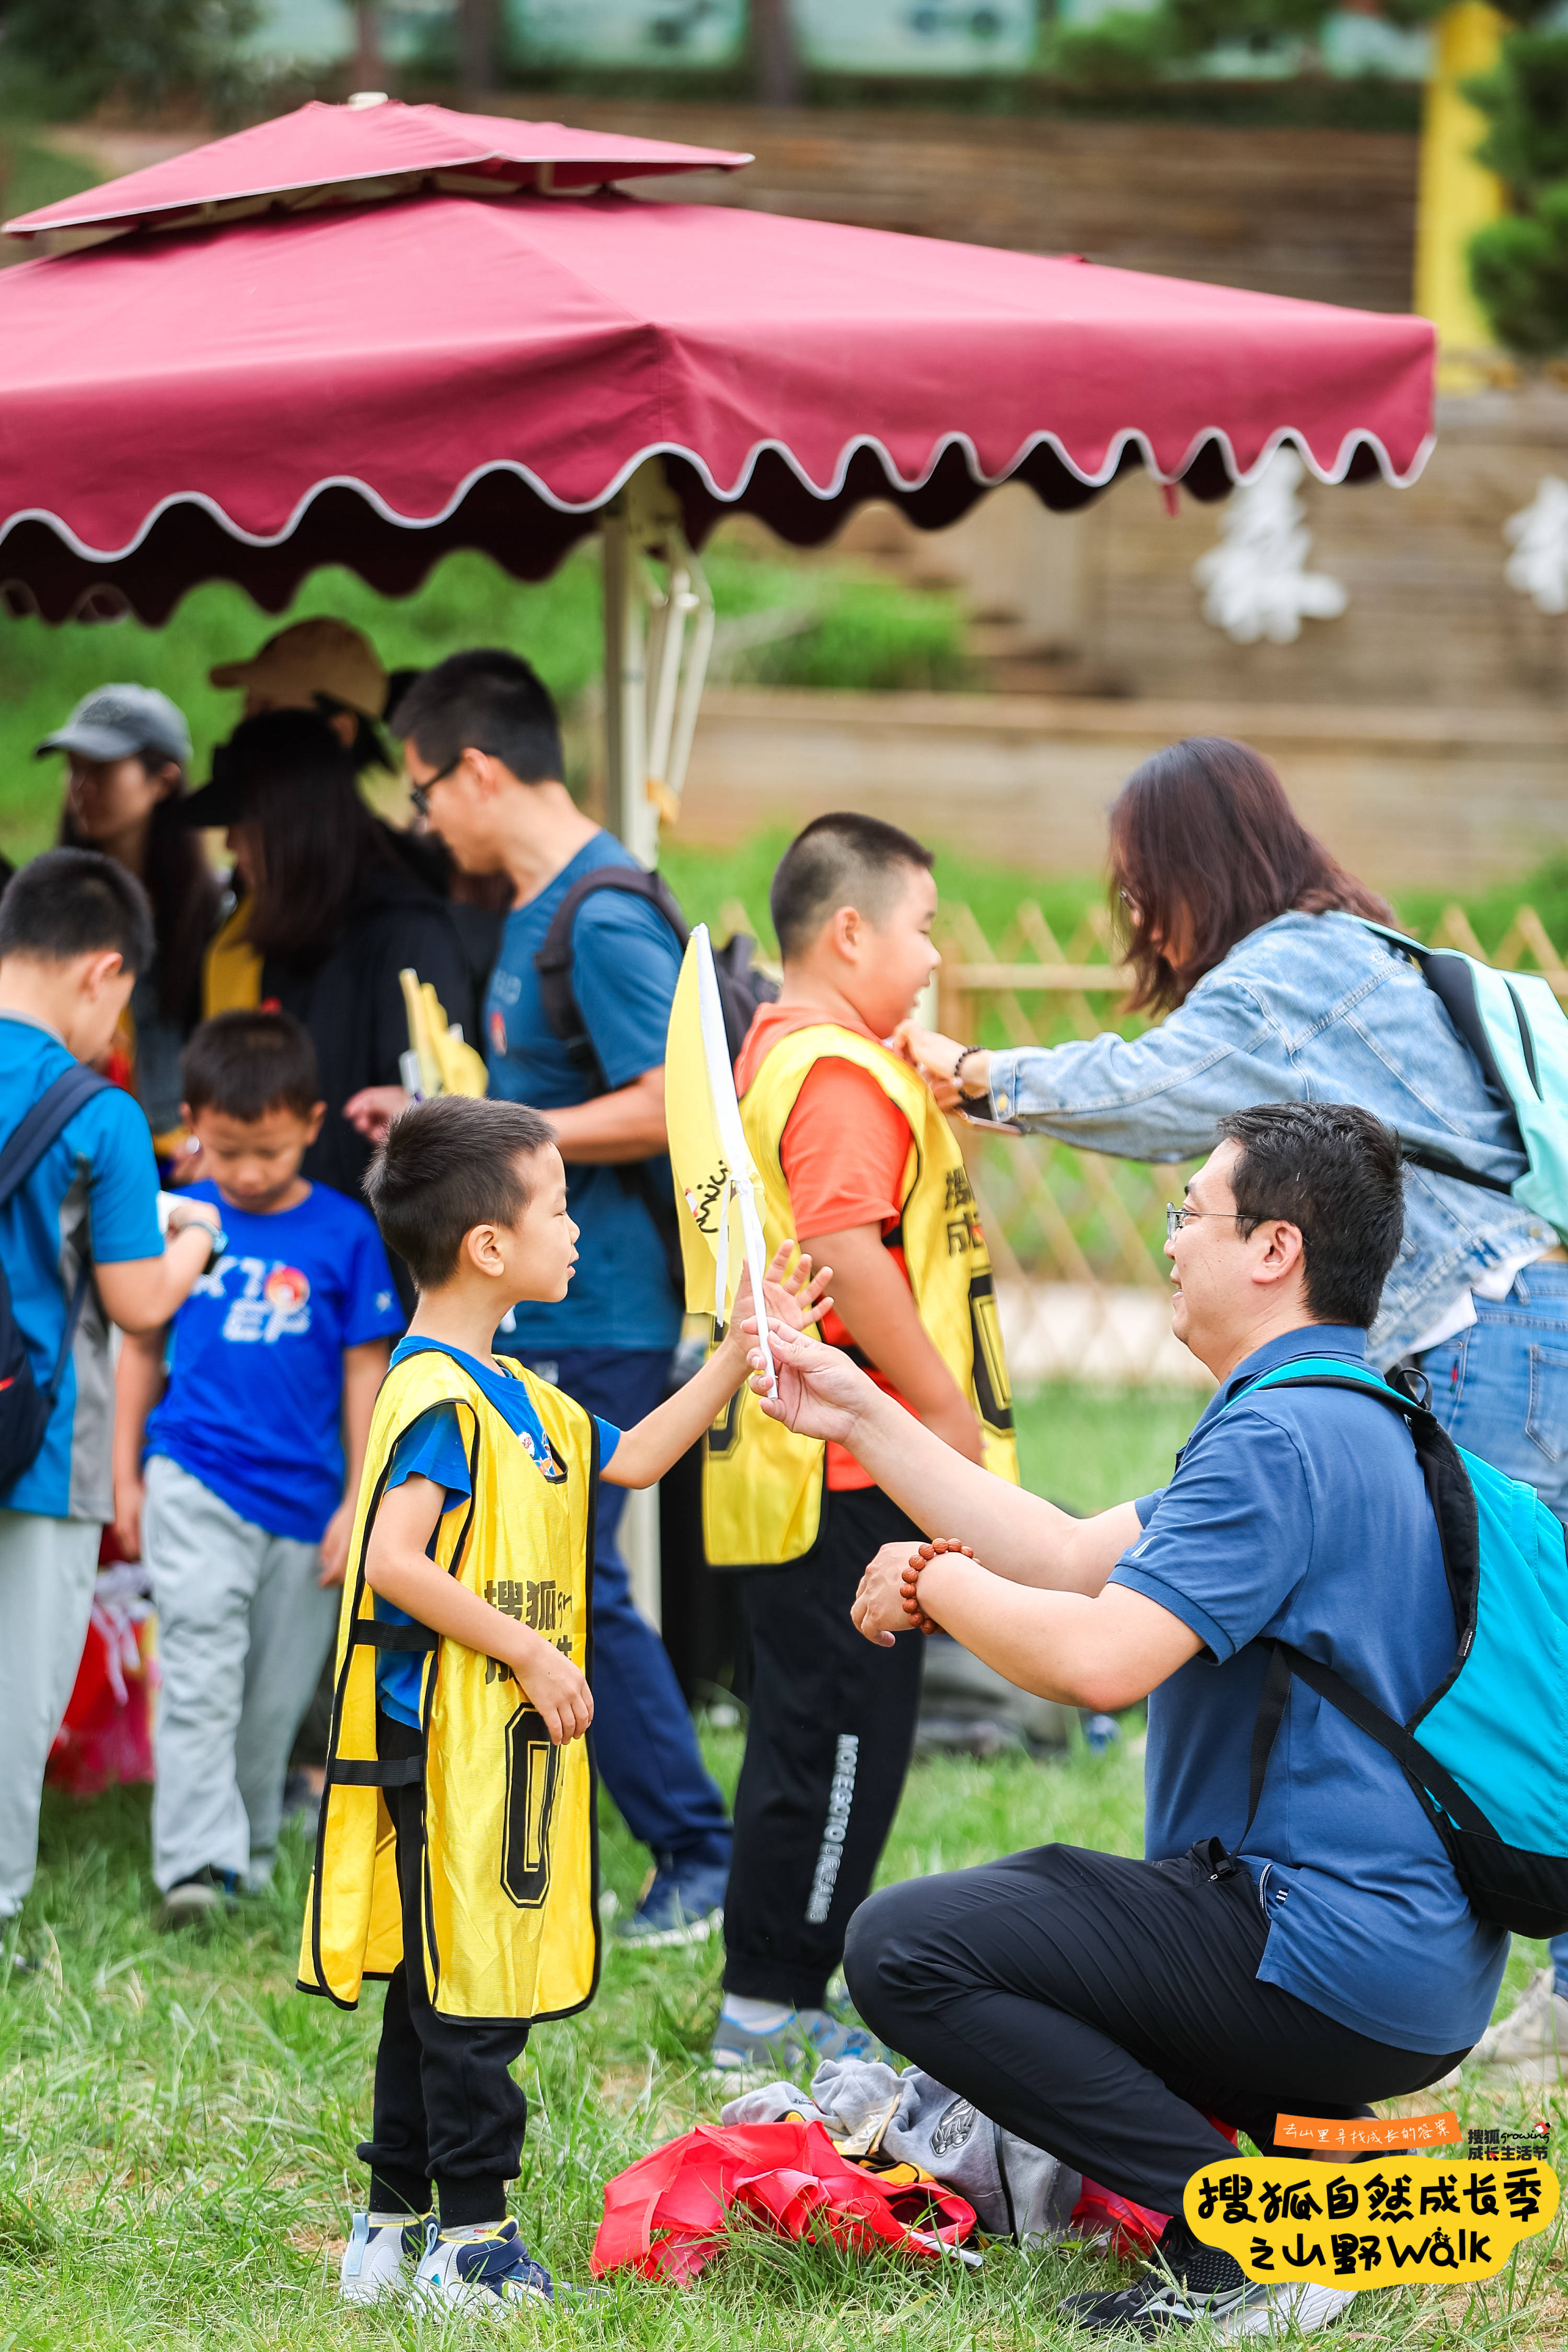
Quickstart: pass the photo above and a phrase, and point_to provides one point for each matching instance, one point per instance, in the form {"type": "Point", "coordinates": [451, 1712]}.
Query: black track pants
{"type": "Point", "coordinates": [1100, 2008]}
{"type": "Point", "coordinates": [831, 1732]}
{"type": "Point", "coordinates": [446, 2108]}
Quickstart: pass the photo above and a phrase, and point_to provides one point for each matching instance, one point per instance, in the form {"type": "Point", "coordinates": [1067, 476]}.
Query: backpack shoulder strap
{"type": "Point", "coordinates": [25, 1146]}
{"type": "Point", "coordinates": [1454, 1507]}
{"type": "Point", "coordinates": [553, 961]}
{"type": "Point", "coordinates": [1451, 977]}
{"type": "Point", "coordinates": [43, 1123]}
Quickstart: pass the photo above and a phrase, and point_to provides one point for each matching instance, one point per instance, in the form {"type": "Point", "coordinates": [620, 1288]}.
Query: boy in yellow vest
{"type": "Point", "coordinates": [856, 1159]}
{"type": "Point", "coordinates": [456, 1851]}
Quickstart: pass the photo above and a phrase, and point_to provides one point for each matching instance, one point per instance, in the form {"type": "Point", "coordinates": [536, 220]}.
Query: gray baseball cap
{"type": "Point", "coordinates": [121, 722]}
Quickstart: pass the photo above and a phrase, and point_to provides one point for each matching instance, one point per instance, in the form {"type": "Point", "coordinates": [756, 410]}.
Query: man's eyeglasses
{"type": "Point", "coordinates": [1178, 1213]}
{"type": "Point", "coordinates": [420, 793]}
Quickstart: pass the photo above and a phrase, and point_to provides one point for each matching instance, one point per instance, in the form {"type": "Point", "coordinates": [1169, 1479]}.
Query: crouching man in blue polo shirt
{"type": "Point", "coordinates": [1103, 2008]}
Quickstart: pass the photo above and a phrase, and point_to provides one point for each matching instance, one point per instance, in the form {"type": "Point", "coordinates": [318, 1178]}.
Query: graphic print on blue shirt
{"type": "Point", "coordinates": [624, 965]}
{"type": "Point", "coordinates": [432, 1446]}
{"type": "Point", "coordinates": [97, 1177]}
{"type": "Point", "coordinates": [1303, 1513]}
{"type": "Point", "coordinates": [255, 1359]}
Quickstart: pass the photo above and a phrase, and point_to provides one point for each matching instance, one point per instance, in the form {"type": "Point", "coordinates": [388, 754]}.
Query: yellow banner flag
{"type": "Point", "coordinates": [715, 1183]}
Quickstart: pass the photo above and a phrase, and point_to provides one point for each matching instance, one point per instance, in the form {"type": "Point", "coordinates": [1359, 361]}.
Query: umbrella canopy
{"type": "Point", "coordinates": [368, 335]}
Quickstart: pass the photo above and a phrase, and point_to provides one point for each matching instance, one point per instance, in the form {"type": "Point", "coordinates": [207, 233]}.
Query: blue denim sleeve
{"type": "Point", "coordinates": [1155, 1096]}
{"type": "Point", "coordinates": [432, 1447]}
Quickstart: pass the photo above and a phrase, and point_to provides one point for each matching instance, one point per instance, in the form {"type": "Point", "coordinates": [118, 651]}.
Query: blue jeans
{"type": "Point", "coordinates": [643, 1734]}
{"type": "Point", "coordinates": [1500, 1390]}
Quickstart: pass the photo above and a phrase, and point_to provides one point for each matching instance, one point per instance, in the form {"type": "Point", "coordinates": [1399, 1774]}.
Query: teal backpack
{"type": "Point", "coordinates": [1491, 1763]}
{"type": "Point", "coordinates": [1517, 1031]}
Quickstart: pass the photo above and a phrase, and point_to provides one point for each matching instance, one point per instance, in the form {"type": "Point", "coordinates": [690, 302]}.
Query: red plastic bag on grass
{"type": "Point", "coordinates": [106, 1737]}
{"type": "Point", "coordinates": [666, 2215]}
{"type": "Point", "coordinates": [1128, 2228]}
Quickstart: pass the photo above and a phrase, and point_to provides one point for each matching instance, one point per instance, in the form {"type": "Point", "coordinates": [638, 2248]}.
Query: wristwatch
{"type": "Point", "coordinates": [219, 1238]}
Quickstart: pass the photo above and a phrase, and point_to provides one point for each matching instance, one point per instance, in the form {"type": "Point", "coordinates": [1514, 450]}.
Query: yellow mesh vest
{"type": "Point", "coordinates": [511, 1915]}
{"type": "Point", "coordinates": [761, 1485]}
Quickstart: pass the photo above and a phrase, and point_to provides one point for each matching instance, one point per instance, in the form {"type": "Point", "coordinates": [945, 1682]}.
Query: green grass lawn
{"type": "Point", "coordinates": [177, 2125]}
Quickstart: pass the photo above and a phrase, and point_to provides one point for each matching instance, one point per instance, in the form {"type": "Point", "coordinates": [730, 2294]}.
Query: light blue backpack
{"type": "Point", "coordinates": [1517, 1031]}
{"type": "Point", "coordinates": [1491, 1763]}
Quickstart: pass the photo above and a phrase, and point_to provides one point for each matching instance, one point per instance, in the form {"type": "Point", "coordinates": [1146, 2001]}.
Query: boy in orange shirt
{"type": "Point", "coordinates": [855, 1159]}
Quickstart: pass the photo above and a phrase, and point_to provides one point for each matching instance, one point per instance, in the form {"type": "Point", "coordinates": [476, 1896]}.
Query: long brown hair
{"type": "Point", "coordinates": [316, 834]}
{"type": "Point", "coordinates": [1205, 847]}
{"type": "Point", "coordinates": [184, 890]}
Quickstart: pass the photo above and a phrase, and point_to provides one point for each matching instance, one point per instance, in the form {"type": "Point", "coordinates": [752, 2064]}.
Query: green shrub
{"type": "Point", "coordinates": [1518, 265]}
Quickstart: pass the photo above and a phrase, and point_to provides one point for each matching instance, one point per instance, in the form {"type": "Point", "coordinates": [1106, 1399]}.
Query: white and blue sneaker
{"type": "Point", "coordinates": [752, 2044]}
{"type": "Point", "coordinates": [378, 2260]}
{"type": "Point", "coordinates": [484, 2271]}
{"type": "Point", "coordinates": [683, 1903]}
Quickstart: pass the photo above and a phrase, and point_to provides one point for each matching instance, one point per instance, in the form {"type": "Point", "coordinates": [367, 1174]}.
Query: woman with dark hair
{"type": "Point", "coordinates": [328, 915]}
{"type": "Point", "coordinates": [127, 749]}
{"type": "Point", "coordinates": [1254, 943]}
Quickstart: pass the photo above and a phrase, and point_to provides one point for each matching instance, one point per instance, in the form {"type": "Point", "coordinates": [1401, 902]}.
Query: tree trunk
{"type": "Point", "coordinates": [477, 47]}
{"type": "Point", "coordinates": [775, 61]}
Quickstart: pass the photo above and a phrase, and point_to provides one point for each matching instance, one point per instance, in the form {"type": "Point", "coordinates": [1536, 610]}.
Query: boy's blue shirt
{"type": "Point", "coordinates": [254, 1403]}
{"type": "Point", "coordinates": [1303, 1514]}
{"type": "Point", "coordinates": [624, 965]}
{"type": "Point", "coordinates": [432, 1447]}
{"type": "Point", "coordinates": [96, 1186]}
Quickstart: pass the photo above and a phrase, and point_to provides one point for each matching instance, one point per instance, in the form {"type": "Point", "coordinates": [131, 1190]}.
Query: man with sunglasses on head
{"type": "Point", "coordinates": [482, 750]}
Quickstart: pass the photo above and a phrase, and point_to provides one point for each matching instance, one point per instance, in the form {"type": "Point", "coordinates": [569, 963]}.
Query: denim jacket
{"type": "Point", "coordinates": [1311, 1008]}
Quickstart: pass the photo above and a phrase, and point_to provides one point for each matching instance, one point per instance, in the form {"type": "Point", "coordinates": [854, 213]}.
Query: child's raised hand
{"type": "Point", "coordinates": [554, 1686]}
{"type": "Point", "coordinates": [797, 1299]}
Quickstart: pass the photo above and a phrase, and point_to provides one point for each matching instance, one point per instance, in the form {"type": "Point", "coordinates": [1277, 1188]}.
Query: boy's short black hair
{"type": "Point", "coordinates": [1336, 1171]}
{"type": "Point", "coordinates": [842, 860]}
{"type": "Point", "coordinates": [486, 700]}
{"type": "Point", "coordinates": [72, 902]}
{"type": "Point", "coordinates": [246, 1063]}
{"type": "Point", "coordinates": [446, 1166]}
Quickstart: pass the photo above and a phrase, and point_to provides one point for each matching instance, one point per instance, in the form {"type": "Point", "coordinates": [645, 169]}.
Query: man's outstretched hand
{"type": "Point", "coordinates": [819, 1389]}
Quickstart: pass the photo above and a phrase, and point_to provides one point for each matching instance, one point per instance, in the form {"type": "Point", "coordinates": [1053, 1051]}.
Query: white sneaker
{"type": "Point", "coordinates": [1158, 2304]}
{"type": "Point", "coordinates": [1531, 2041]}
{"type": "Point", "coordinates": [485, 2272]}
{"type": "Point", "coordinates": [376, 2260]}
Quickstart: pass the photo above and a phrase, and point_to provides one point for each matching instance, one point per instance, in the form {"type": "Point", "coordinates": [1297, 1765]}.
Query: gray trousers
{"type": "Point", "coordinates": [47, 1568]}
{"type": "Point", "coordinates": [243, 1628]}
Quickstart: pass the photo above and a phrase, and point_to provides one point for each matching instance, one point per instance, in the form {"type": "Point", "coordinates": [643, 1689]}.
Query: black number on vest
{"type": "Point", "coordinates": [992, 1392]}
{"type": "Point", "coordinates": [722, 1433]}
{"type": "Point", "coordinates": [532, 1765]}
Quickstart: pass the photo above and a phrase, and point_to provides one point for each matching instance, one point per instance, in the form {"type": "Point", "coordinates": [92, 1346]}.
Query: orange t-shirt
{"type": "Point", "coordinates": [843, 1152]}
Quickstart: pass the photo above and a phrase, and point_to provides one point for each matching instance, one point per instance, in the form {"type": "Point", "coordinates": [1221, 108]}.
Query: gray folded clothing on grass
{"type": "Point", "coordinates": [1016, 2190]}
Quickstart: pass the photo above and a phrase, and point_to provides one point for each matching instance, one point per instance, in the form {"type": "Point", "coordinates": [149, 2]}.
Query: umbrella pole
{"type": "Point", "coordinates": [628, 812]}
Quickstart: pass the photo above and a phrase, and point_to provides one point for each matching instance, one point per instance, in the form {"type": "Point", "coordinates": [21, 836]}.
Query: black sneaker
{"type": "Point", "coordinates": [1186, 2282]}
{"type": "Point", "coordinates": [193, 1898]}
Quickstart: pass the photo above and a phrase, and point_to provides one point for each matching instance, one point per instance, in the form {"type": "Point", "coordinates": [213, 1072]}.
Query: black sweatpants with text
{"type": "Point", "coordinates": [447, 2109]}
{"type": "Point", "coordinates": [828, 1744]}
{"type": "Point", "coordinates": [1103, 2009]}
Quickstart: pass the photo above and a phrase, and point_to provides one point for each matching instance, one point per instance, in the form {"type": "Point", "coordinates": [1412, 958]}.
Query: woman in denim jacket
{"type": "Point", "coordinates": [1246, 932]}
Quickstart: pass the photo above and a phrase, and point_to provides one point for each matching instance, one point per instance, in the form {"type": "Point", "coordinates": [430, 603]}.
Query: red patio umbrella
{"type": "Point", "coordinates": [368, 334]}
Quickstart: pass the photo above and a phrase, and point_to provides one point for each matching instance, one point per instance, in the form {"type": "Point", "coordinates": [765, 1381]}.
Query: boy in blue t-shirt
{"type": "Point", "coordinates": [253, 1451]}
